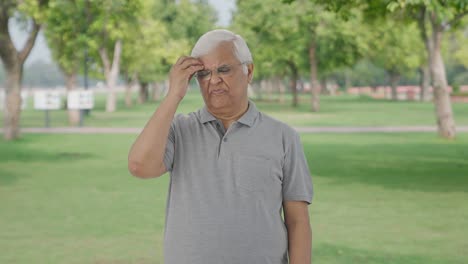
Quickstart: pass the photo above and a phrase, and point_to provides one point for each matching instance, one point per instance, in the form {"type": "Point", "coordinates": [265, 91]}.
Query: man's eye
{"type": "Point", "coordinates": [203, 73]}
{"type": "Point", "coordinates": [224, 69]}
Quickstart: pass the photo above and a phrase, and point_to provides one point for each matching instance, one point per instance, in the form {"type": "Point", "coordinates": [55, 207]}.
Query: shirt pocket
{"type": "Point", "coordinates": [253, 173]}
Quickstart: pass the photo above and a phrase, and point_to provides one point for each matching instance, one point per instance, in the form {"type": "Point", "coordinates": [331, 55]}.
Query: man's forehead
{"type": "Point", "coordinates": [221, 54]}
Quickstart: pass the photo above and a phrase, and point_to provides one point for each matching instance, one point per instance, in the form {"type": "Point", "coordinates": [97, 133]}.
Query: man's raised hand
{"type": "Point", "coordinates": [181, 73]}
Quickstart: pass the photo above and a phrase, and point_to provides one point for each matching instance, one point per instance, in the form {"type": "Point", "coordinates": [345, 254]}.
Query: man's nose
{"type": "Point", "coordinates": [215, 78]}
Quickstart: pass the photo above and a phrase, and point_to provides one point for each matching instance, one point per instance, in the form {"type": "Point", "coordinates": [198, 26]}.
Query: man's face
{"type": "Point", "coordinates": [223, 82]}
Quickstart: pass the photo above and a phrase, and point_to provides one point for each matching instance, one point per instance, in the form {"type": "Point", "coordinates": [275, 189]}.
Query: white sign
{"type": "Point", "coordinates": [24, 100]}
{"type": "Point", "coordinates": [47, 100]}
{"type": "Point", "coordinates": [83, 99]}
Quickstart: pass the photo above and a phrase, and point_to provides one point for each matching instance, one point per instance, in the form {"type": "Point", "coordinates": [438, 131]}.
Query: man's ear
{"type": "Point", "coordinates": [250, 70]}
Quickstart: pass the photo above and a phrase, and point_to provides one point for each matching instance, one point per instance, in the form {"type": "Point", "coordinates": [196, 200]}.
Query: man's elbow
{"type": "Point", "coordinates": [139, 170]}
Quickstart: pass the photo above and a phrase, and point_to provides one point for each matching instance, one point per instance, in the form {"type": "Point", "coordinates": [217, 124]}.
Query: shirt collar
{"type": "Point", "coordinates": [247, 118]}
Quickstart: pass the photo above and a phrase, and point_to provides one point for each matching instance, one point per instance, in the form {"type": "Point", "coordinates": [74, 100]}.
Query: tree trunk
{"type": "Point", "coordinates": [394, 80]}
{"type": "Point", "coordinates": [269, 87]}
{"type": "Point", "coordinates": [73, 114]}
{"type": "Point", "coordinates": [443, 105]}
{"type": "Point", "coordinates": [156, 91]}
{"type": "Point", "coordinates": [263, 88]}
{"type": "Point", "coordinates": [425, 70]}
{"type": "Point", "coordinates": [314, 82]}
{"type": "Point", "coordinates": [13, 61]}
{"type": "Point", "coordinates": [282, 91]}
{"type": "Point", "coordinates": [293, 83]}
{"type": "Point", "coordinates": [276, 86]}
{"type": "Point", "coordinates": [111, 101]}
{"type": "Point", "coordinates": [424, 82]}
{"type": "Point", "coordinates": [128, 95]}
{"type": "Point", "coordinates": [128, 91]}
{"type": "Point", "coordinates": [347, 79]}
{"type": "Point", "coordinates": [12, 111]}
{"type": "Point", "coordinates": [323, 86]}
{"type": "Point", "coordinates": [258, 90]}
{"type": "Point", "coordinates": [111, 72]}
{"type": "Point", "coordinates": [143, 93]}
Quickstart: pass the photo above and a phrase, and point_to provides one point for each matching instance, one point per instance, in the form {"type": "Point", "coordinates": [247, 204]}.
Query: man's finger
{"type": "Point", "coordinates": [195, 64]}
{"type": "Point", "coordinates": [181, 60]}
{"type": "Point", "coordinates": [186, 59]}
{"type": "Point", "coordinates": [189, 61]}
{"type": "Point", "coordinates": [193, 69]}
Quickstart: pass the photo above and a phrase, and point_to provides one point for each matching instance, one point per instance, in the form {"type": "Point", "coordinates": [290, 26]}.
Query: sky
{"type": "Point", "coordinates": [42, 52]}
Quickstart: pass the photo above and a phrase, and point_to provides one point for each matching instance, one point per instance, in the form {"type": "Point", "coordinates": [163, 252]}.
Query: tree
{"type": "Point", "coordinates": [109, 24]}
{"type": "Point", "coordinates": [32, 12]}
{"type": "Point", "coordinates": [273, 34]}
{"type": "Point", "coordinates": [436, 17]}
{"type": "Point", "coordinates": [301, 36]}
{"type": "Point", "coordinates": [396, 48]}
{"type": "Point", "coordinates": [165, 31]}
{"type": "Point", "coordinates": [149, 49]}
{"type": "Point", "coordinates": [65, 33]}
{"type": "Point", "coordinates": [333, 43]}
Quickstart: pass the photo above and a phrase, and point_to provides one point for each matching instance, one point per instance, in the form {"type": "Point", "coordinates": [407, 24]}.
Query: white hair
{"type": "Point", "coordinates": [211, 39]}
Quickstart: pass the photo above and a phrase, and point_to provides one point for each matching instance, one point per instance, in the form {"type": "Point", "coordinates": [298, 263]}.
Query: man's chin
{"type": "Point", "coordinates": [218, 103]}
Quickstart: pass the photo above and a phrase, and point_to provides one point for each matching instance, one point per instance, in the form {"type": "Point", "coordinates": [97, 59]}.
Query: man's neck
{"type": "Point", "coordinates": [228, 118]}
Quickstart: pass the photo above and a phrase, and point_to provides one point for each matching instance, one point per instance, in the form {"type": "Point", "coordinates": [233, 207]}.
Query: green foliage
{"type": "Point", "coordinates": [166, 30]}
{"type": "Point", "coordinates": [66, 34]}
{"type": "Point", "coordinates": [280, 33]}
{"type": "Point", "coordinates": [73, 26]}
{"type": "Point", "coordinates": [365, 73]}
{"type": "Point", "coordinates": [34, 9]}
{"type": "Point", "coordinates": [41, 74]}
{"type": "Point", "coordinates": [272, 31]}
{"type": "Point", "coordinates": [443, 11]}
{"type": "Point", "coordinates": [186, 19]}
{"type": "Point", "coordinates": [459, 43]}
{"type": "Point", "coordinates": [396, 47]}
{"type": "Point", "coordinates": [110, 21]}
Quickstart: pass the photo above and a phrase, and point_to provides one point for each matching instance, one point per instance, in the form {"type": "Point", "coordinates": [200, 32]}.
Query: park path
{"type": "Point", "coordinates": [348, 129]}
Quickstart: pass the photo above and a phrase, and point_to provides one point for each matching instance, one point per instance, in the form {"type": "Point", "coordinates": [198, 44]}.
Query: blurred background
{"type": "Point", "coordinates": [378, 90]}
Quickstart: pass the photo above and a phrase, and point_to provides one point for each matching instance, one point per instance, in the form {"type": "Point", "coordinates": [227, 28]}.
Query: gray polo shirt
{"type": "Point", "coordinates": [226, 188]}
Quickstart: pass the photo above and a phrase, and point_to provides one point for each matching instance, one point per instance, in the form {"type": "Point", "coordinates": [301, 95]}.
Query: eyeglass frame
{"type": "Point", "coordinates": [218, 72]}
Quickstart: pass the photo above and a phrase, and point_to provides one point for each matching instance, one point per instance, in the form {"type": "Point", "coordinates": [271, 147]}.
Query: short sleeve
{"type": "Point", "coordinates": [170, 148]}
{"type": "Point", "coordinates": [297, 181]}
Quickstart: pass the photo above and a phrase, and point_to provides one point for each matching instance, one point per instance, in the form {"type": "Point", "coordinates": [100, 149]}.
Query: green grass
{"type": "Point", "coordinates": [342, 110]}
{"type": "Point", "coordinates": [379, 198]}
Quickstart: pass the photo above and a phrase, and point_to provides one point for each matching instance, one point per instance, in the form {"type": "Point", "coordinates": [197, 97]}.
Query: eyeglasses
{"type": "Point", "coordinates": [223, 71]}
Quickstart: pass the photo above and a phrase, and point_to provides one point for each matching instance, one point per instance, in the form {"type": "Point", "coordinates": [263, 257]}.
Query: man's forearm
{"type": "Point", "coordinates": [147, 153]}
{"type": "Point", "coordinates": [299, 243]}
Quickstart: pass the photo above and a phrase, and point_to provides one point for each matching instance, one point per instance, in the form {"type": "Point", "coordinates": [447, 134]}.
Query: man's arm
{"type": "Point", "coordinates": [296, 216]}
{"type": "Point", "coordinates": [146, 156]}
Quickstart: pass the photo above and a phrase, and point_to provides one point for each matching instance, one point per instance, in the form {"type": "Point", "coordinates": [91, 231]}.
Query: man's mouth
{"type": "Point", "coordinates": [218, 91]}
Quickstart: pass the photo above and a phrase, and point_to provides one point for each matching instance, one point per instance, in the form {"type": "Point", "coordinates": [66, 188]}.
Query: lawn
{"type": "Point", "coordinates": [380, 198]}
{"type": "Point", "coordinates": [342, 110]}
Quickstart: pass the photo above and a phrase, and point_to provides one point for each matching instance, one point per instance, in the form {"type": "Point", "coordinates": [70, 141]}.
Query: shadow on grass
{"type": "Point", "coordinates": [328, 253]}
{"type": "Point", "coordinates": [16, 154]}
{"type": "Point", "coordinates": [7, 177]}
{"type": "Point", "coordinates": [19, 153]}
{"type": "Point", "coordinates": [433, 167]}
